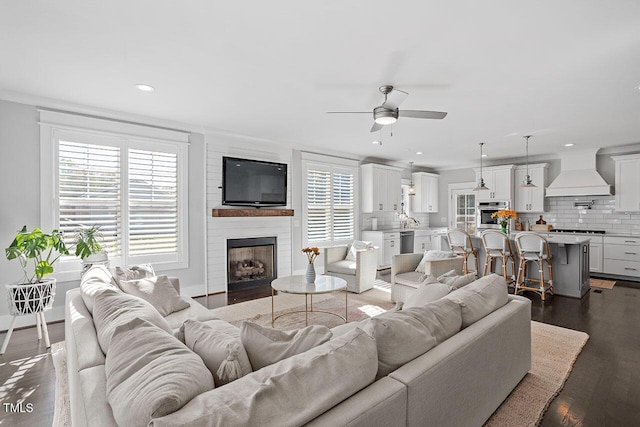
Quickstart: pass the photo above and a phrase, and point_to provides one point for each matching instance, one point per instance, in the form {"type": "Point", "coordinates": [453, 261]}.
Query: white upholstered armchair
{"type": "Point", "coordinates": [359, 274]}
{"type": "Point", "coordinates": [404, 278]}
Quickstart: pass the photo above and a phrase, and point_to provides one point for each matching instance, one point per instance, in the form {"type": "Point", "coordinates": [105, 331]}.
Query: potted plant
{"type": "Point", "coordinates": [88, 242]}
{"type": "Point", "coordinates": [39, 250]}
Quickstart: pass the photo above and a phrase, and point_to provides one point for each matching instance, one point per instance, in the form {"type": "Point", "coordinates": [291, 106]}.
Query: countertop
{"type": "Point", "coordinates": [564, 238]}
{"type": "Point", "coordinates": [417, 230]}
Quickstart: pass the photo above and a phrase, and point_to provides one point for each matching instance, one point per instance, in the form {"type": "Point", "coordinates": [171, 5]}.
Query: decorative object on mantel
{"type": "Point", "coordinates": [527, 178]}
{"type": "Point", "coordinates": [504, 215]}
{"type": "Point", "coordinates": [481, 185]}
{"type": "Point", "coordinates": [227, 213]}
{"type": "Point", "coordinates": [311, 253]}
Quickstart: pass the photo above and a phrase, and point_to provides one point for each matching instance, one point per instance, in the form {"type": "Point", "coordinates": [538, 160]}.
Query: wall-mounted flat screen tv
{"type": "Point", "coordinates": [256, 183]}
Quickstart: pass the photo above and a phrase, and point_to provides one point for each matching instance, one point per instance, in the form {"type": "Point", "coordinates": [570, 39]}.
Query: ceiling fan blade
{"type": "Point", "coordinates": [348, 112]}
{"type": "Point", "coordinates": [376, 127]}
{"type": "Point", "coordinates": [418, 114]}
{"type": "Point", "coordinates": [394, 99]}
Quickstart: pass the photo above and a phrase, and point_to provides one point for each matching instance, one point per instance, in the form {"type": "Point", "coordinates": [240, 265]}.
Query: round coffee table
{"type": "Point", "coordinates": [298, 285]}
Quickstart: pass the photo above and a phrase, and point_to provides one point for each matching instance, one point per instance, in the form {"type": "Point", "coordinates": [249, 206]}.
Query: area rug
{"type": "Point", "coordinates": [601, 283]}
{"type": "Point", "coordinates": [554, 350]}
{"type": "Point", "coordinates": [62, 410]}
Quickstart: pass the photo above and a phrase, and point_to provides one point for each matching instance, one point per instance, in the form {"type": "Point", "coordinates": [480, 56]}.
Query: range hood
{"type": "Point", "coordinates": [578, 176]}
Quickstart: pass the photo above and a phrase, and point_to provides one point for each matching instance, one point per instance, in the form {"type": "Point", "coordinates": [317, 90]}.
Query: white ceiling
{"type": "Point", "coordinates": [565, 71]}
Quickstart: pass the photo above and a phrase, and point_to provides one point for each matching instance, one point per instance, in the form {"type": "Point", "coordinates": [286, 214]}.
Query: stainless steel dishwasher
{"type": "Point", "coordinates": [406, 242]}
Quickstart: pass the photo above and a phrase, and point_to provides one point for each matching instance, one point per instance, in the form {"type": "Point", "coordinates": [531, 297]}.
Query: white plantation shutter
{"type": "Point", "coordinates": [129, 179]}
{"type": "Point", "coordinates": [90, 191]}
{"type": "Point", "coordinates": [330, 204]}
{"type": "Point", "coordinates": [318, 206]}
{"type": "Point", "coordinates": [153, 202]}
{"type": "Point", "coordinates": [343, 206]}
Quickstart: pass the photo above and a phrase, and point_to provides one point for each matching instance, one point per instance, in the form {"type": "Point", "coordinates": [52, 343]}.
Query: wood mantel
{"type": "Point", "coordinates": [250, 212]}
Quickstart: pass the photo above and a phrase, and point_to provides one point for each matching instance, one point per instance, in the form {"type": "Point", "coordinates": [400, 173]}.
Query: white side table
{"type": "Point", "coordinates": [298, 285]}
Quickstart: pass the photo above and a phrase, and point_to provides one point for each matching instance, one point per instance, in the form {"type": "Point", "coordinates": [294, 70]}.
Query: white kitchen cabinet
{"type": "Point", "coordinates": [499, 180]}
{"type": "Point", "coordinates": [530, 199]}
{"type": "Point", "coordinates": [422, 244]}
{"type": "Point", "coordinates": [426, 187]}
{"type": "Point", "coordinates": [388, 242]}
{"type": "Point", "coordinates": [621, 256]}
{"type": "Point", "coordinates": [595, 256]}
{"type": "Point", "coordinates": [627, 182]}
{"type": "Point", "coordinates": [381, 188]}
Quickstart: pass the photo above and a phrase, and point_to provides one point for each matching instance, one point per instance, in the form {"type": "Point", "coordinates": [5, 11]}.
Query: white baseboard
{"type": "Point", "coordinates": [192, 290]}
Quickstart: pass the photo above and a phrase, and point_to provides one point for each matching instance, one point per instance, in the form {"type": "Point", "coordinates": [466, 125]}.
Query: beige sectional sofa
{"type": "Point", "coordinates": [460, 381]}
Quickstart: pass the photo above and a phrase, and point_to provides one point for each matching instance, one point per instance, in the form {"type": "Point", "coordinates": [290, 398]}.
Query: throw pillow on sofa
{"type": "Point", "coordinates": [158, 291]}
{"type": "Point", "coordinates": [150, 374]}
{"type": "Point", "coordinates": [115, 308]}
{"type": "Point", "coordinates": [456, 281]}
{"type": "Point", "coordinates": [480, 298]}
{"type": "Point", "coordinates": [356, 246]}
{"type": "Point", "coordinates": [133, 272]}
{"type": "Point", "coordinates": [96, 280]}
{"type": "Point", "coordinates": [433, 255]}
{"type": "Point", "coordinates": [218, 345]}
{"type": "Point", "coordinates": [402, 336]}
{"type": "Point", "coordinates": [266, 346]}
{"type": "Point", "coordinates": [430, 290]}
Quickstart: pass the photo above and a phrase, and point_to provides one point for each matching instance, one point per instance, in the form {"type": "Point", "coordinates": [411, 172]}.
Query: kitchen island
{"type": "Point", "coordinates": [569, 256]}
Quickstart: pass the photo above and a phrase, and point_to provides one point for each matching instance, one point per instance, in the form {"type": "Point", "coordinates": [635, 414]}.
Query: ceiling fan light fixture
{"type": "Point", "coordinates": [385, 116]}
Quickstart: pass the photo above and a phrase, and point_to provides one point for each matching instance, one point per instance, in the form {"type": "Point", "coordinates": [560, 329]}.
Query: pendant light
{"type": "Point", "coordinates": [412, 187]}
{"type": "Point", "coordinates": [527, 178]}
{"type": "Point", "coordinates": [481, 185]}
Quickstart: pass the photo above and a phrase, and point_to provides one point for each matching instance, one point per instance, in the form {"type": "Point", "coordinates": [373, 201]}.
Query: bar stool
{"type": "Point", "coordinates": [497, 246]}
{"type": "Point", "coordinates": [32, 298]}
{"type": "Point", "coordinates": [532, 247]}
{"type": "Point", "coordinates": [460, 244]}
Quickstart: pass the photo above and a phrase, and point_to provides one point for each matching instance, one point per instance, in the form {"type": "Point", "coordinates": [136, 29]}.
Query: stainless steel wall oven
{"type": "Point", "coordinates": [484, 212]}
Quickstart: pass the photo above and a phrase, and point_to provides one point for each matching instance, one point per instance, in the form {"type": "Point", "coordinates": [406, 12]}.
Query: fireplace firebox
{"type": "Point", "coordinates": [251, 262]}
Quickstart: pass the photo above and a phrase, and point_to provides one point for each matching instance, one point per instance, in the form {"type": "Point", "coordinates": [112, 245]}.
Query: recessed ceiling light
{"type": "Point", "coordinates": [145, 88]}
{"type": "Point", "coordinates": [376, 142]}
{"type": "Point", "coordinates": [418, 152]}
{"type": "Point", "coordinates": [570, 144]}
{"type": "Point", "coordinates": [484, 155]}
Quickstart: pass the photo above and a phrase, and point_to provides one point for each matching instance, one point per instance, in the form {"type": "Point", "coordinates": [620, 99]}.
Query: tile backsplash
{"type": "Point", "coordinates": [387, 220]}
{"type": "Point", "coordinates": [562, 213]}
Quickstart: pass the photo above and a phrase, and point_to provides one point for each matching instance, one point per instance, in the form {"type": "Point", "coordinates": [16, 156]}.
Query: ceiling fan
{"type": "Point", "coordinates": [387, 113]}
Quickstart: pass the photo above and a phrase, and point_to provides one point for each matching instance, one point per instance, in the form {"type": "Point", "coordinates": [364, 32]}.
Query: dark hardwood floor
{"type": "Point", "coordinates": [604, 386]}
{"type": "Point", "coordinates": [27, 376]}
{"type": "Point", "coordinates": [602, 390]}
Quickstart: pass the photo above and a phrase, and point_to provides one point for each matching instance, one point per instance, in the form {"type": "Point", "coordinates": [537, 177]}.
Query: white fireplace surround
{"type": "Point", "coordinates": [222, 229]}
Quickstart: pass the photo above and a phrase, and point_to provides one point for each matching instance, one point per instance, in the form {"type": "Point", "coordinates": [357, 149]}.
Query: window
{"type": "Point", "coordinates": [135, 189]}
{"type": "Point", "coordinates": [330, 203]}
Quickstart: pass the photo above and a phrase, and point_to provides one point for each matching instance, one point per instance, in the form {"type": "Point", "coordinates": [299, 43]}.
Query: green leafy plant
{"type": "Point", "coordinates": [43, 249]}
{"type": "Point", "coordinates": [88, 241]}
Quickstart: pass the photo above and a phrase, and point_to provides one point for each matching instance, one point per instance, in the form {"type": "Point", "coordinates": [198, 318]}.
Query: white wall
{"type": "Point", "coordinates": [20, 195]}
